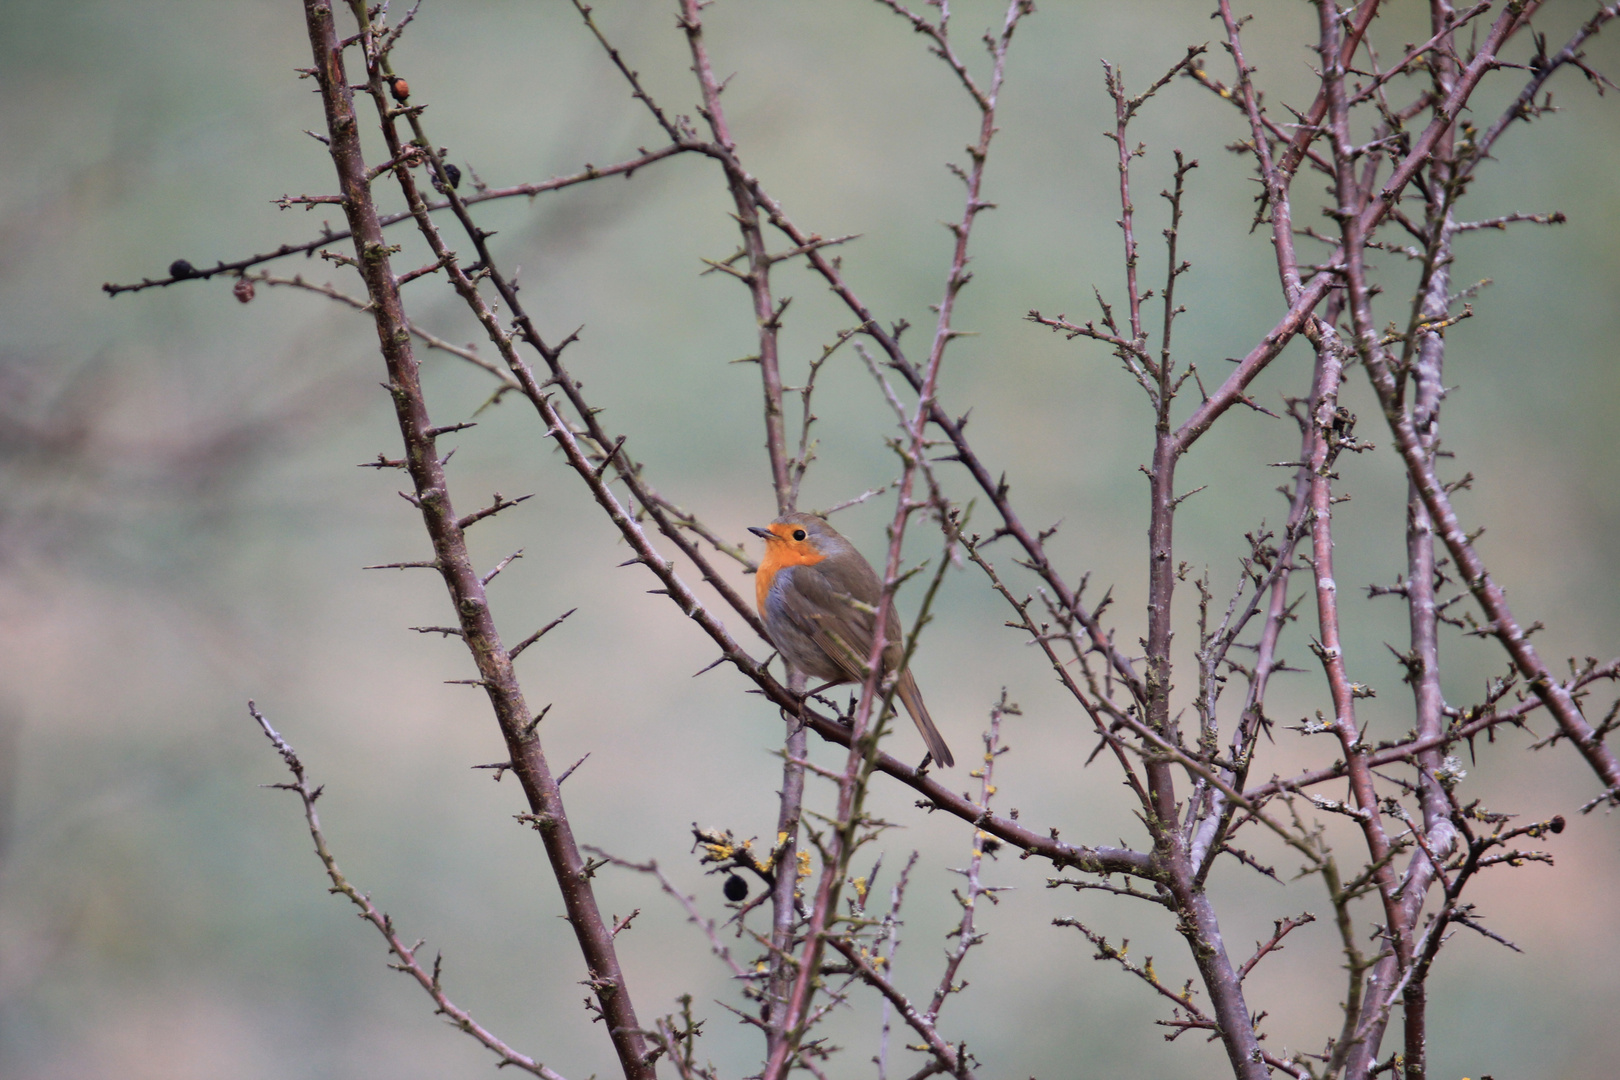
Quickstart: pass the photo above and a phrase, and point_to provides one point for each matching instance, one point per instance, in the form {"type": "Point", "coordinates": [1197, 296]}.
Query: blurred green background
{"type": "Point", "coordinates": [182, 527]}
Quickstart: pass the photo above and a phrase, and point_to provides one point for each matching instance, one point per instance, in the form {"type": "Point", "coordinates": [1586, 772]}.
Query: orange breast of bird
{"type": "Point", "coordinates": [779, 556]}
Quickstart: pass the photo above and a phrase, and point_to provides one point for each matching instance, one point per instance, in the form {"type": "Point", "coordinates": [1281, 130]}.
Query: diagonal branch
{"type": "Point", "coordinates": [332, 236]}
{"type": "Point", "coordinates": [407, 963]}
{"type": "Point", "coordinates": [467, 590]}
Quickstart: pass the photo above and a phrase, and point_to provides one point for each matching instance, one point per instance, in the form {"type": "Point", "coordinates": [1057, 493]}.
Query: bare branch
{"type": "Point", "coordinates": [405, 955]}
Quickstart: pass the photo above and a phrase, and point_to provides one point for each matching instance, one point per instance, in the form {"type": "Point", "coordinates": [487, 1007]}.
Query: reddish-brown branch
{"type": "Point", "coordinates": [767, 315]}
{"type": "Point", "coordinates": [1231, 391]}
{"type": "Point", "coordinates": [332, 236]}
{"type": "Point", "coordinates": [1311, 127]}
{"type": "Point", "coordinates": [851, 785]}
{"type": "Point", "coordinates": [1427, 350]}
{"type": "Point", "coordinates": [1325, 426]}
{"type": "Point", "coordinates": [1284, 927]}
{"type": "Point", "coordinates": [1198, 922]}
{"type": "Point", "coordinates": [1521, 107]}
{"type": "Point", "coordinates": [1502, 624]}
{"type": "Point", "coordinates": [1331, 432]}
{"type": "Point", "coordinates": [406, 955]}
{"type": "Point", "coordinates": [1274, 179]}
{"type": "Point", "coordinates": [758, 278]}
{"type": "Point", "coordinates": [922, 1024]}
{"type": "Point", "coordinates": [432, 497]}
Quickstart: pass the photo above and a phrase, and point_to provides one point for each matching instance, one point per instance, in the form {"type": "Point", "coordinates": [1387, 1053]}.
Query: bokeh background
{"type": "Point", "coordinates": [182, 526]}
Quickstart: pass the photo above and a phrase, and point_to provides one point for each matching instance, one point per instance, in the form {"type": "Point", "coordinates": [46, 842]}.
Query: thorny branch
{"type": "Point", "coordinates": [426, 467]}
{"type": "Point", "coordinates": [405, 955]}
{"type": "Point", "coordinates": [1127, 698]}
{"type": "Point", "coordinates": [847, 821]}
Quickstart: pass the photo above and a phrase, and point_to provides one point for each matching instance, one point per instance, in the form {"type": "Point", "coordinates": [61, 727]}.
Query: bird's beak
{"type": "Point", "coordinates": [762, 533]}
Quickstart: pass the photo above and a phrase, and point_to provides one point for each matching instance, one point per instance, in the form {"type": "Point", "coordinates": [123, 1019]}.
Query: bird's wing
{"type": "Point", "coordinates": [837, 622]}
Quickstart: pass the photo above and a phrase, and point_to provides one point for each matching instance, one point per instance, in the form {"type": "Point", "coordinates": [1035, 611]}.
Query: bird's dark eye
{"type": "Point", "coordinates": [798, 534]}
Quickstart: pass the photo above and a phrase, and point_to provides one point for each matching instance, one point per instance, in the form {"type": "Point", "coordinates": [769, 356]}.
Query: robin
{"type": "Point", "coordinates": [818, 598]}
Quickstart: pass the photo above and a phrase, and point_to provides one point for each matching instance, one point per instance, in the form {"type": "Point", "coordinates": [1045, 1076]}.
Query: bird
{"type": "Point", "coordinates": [818, 598]}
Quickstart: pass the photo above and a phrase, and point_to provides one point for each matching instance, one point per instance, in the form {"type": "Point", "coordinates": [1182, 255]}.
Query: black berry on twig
{"type": "Point", "coordinates": [736, 889]}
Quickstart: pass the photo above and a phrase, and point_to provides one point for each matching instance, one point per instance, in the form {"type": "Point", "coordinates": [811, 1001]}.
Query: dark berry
{"type": "Point", "coordinates": [453, 174]}
{"type": "Point", "coordinates": [243, 290]}
{"type": "Point", "coordinates": [736, 889]}
{"type": "Point", "coordinates": [180, 270]}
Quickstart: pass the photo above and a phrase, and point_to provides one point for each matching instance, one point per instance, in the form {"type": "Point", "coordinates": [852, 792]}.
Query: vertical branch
{"type": "Point", "coordinates": [1212, 830]}
{"type": "Point", "coordinates": [1381, 371]}
{"type": "Point", "coordinates": [1173, 269]}
{"type": "Point", "coordinates": [1274, 179]}
{"type": "Point", "coordinates": [1355, 964]}
{"type": "Point", "coordinates": [465, 585]}
{"type": "Point", "coordinates": [966, 932]}
{"type": "Point", "coordinates": [1311, 129]}
{"type": "Point", "coordinates": [767, 312]}
{"type": "Point", "coordinates": [1127, 210]}
{"type": "Point", "coordinates": [1331, 433]}
{"type": "Point", "coordinates": [1198, 922]}
{"type": "Point", "coordinates": [1328, 431]}
{"type": "Point", "coordinates": [785, 888]}
{"type": "Point", "coordinates": [1301, 309]}
{"type": "Point", "coordinates": [863, 744]}
{"type": "Point", "coordinates": [888, 937]}
{"type": "Point", "coordinates": [1423, 663]}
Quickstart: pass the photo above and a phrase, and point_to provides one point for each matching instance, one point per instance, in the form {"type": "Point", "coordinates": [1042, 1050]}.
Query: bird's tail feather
{"type": "Point", "coordinates": [911, 697]}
